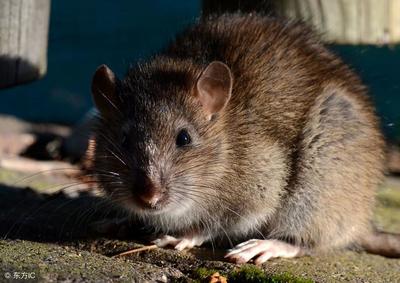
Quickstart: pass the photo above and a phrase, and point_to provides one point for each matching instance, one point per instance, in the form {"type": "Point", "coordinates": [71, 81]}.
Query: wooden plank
{"type": "Point", "coordinates": [393, 31]}
{"type": "Point", "coordinates": [24, 28]}
{"type": "Point", "coordinates": [351, 21]}
{"type": "Point", "coordinates": [340, 21]}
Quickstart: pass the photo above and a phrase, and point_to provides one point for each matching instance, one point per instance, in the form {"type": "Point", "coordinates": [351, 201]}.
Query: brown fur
{"type": "Point", "coordinates": [295, 155]}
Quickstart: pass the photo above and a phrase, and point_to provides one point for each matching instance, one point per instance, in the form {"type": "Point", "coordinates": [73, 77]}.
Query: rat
{"type": "Point", "coordinates": [244, 129]}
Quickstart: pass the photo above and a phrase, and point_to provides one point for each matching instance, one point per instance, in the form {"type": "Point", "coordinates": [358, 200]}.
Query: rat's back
{"type": "Point", "coordinates": [279, 66]}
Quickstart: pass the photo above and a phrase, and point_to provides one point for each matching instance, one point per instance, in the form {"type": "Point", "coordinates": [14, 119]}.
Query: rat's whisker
{"type": "Point", "coordinates": [109, 101]}
{"type": "Point", "coordinates": [30, 176]}
{"type": "Point", "coordinates": [116, 156]}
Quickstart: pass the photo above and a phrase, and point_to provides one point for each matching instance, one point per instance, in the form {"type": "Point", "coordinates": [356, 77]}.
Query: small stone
{"type": "Point", "coordinates": [217, 278]}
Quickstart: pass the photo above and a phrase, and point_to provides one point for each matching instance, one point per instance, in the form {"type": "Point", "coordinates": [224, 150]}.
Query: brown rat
{"type": "Point", "coordinates": [245, 127]}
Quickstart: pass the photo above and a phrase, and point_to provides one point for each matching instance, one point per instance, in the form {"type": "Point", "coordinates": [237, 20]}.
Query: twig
{"type": "Point", "coordinates": [145, 248]}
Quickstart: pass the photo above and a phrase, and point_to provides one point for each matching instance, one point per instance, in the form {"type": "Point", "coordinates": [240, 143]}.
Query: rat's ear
{"type": "Point", "coordinates": [104, 91]}
{"type": "Point", "coordinates": [214, 87]}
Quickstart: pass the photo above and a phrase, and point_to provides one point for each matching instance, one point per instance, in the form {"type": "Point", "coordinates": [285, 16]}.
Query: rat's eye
{"type": "Point", "coordinates": [183, 138]}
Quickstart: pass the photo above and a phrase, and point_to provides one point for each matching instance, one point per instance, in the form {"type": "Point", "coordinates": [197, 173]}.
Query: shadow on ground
{"type": "Point", "coordinates": [58, 218]}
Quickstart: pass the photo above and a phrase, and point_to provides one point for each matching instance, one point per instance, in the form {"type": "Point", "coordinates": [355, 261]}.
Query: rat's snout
{"type": "Point", "coordinates": [147, 191]}
{"type": "Point", "coordinates": [150, 195]}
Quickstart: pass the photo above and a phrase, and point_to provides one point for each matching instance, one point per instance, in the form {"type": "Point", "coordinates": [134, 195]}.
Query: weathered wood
{"type": "Point", "coordinates": [339, 21]}
{"type": "Point", "coordinates": [346, 21]}
{"type": "Point", "coordinates": [24, 28]}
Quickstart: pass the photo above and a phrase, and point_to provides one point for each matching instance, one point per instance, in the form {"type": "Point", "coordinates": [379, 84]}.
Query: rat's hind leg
{"type": "Point", "coordinates": [329, 200]}
{"type": "Point", "coordinates": [337, 167]}
{"type": "Point", "coordinates": [263, 250]}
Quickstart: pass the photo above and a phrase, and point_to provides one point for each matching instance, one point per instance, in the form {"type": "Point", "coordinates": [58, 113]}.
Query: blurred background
{"type": "Point", "coordinates": [85, 34]}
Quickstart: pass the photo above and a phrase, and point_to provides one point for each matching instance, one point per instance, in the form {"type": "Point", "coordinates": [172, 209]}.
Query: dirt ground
{"type": "Point", "coordinates": [49, 229]}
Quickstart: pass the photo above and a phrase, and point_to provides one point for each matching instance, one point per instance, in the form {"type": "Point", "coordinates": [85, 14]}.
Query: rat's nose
{"type": "Point", "coordinates": [147, 191]}
{"type": "Point", "coordinates": [150, 195]}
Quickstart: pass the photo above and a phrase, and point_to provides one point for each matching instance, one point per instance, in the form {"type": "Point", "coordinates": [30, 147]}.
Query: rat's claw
{"type": "Point", "coordinates": [241, 247]}
{"type": "Point", "coordinates": [179, 243]}
{"type": "Point", "coordinates": [262, 250]}
{"type": "Point", "coordinates": [166, 241]}
{"type": "Point", "coordinates": [184, 244]}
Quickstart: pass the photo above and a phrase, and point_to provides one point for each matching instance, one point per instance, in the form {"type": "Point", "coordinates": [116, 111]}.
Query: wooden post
{"type": "Point", "coordinates": [24, 28]}
{"type": "Point", "coordinates": [339, 21]}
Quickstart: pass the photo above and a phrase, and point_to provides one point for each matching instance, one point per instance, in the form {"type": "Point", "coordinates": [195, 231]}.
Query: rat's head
{"type": "Point", "coordinates": [160, 145]}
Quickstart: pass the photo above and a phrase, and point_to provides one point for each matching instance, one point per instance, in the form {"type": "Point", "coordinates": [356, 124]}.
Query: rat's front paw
{"type": "Point", "coordinates": [179, 243]}
{"type": "Point", "coordinates": [262, 250]}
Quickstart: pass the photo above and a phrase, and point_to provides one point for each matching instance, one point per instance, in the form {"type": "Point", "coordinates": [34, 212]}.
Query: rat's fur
{"type": "Point", "coordinates": [296, 155]}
